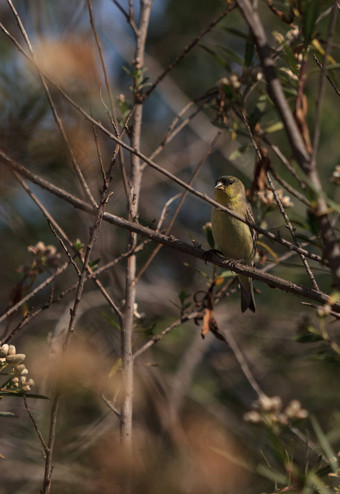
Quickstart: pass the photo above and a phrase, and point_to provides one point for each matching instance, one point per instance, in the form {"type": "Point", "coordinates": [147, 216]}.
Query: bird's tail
{"type": "Point", "coordinates": [247, 293]}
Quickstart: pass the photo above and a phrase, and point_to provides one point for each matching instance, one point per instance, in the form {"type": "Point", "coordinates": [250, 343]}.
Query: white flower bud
{"type": "Point", "coordinates": [265, 403]}
{"type": "Point", "coordinates": [252, 417]}
{"type": "Point", "coordinates": [276, 403]}
{"type": "Point", "coordinates": [4, 350]}
{"type": "Point", "coordinates": [19, 368]}
{"type": "Point", "coordinates": [293, 408]}
{"type": "Point", "coordinates": [324, 311]}
{"type": "Point", "coordinates": [15, 359]}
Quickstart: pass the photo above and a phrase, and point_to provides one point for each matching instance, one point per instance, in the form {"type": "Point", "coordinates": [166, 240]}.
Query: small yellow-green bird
{"type": "Point", "coordinates": [235, 239]}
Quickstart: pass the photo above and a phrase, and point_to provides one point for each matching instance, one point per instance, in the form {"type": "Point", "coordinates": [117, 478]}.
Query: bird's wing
{"type": "Point", "coordinates": [250, 217]}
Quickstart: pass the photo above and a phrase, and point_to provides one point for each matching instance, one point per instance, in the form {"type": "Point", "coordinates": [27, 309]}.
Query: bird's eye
{"type": "Point", "coordinates": [228, 181]}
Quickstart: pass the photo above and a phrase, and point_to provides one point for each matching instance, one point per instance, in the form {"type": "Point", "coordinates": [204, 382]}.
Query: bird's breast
{"type": "Point", "coordinates": [232, 237]}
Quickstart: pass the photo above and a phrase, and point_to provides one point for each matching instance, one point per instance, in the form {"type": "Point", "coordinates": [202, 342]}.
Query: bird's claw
{"type": "Point", "coordinates": [232, 262]}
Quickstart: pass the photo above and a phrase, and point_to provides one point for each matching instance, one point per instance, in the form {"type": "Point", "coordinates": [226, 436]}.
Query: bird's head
{"type": "Point", "coordinates": [228, 189]}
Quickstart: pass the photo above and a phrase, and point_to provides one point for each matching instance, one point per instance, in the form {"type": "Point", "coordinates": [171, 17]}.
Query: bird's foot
{"type": "Point", "coordinates": [232, 262]}
{"type": "Point", "coordinates": [209, 253]}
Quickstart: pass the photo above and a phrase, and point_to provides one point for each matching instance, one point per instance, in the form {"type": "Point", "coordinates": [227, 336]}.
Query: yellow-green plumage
{"type": "Point", "coordinates": [235, 239]}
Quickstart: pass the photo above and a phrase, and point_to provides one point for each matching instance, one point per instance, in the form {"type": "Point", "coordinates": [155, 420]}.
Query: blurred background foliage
{"type": "Point", "coordinates": [191, 394]}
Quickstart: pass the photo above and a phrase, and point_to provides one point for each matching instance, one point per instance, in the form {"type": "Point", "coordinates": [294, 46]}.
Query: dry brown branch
{"type": "Point", "coordinates": [102, 61]}
{"type": "Point", "coordinates": [187, 49]}
{"type": "Point", "coordinates": [194, 251]}
{"type": "Point", "coordinates": [55, 114]}
{"type": "Point", "coordinates": [331, 246]}
{"type": "Point", "coordinates": [78, 203]}
{"type": "Point", "coordinates": [184, 195]}
{"type": "Point", "coordinates": [133, 198]}
{"type": "Point", "coordinates": [33, 292]}
{"type": "Point", "coordinates": [94, 231]}
{"type": "Point", "coordinates": [292, 231]}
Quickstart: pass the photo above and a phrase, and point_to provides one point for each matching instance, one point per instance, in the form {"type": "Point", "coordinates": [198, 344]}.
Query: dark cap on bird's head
{"type": "Point", "coordinates": [229, 186]}
{"type": "Point", "coordinates": [223, 182]}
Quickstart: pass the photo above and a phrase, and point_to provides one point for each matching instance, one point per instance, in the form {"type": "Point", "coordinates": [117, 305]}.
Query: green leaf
{"type": "Point", "coordinates": [116, 367]}
{"type": "Point", "coordinates": [219, 59]}
{"type": "Point", "coordinates": [8, 414]}
{"type": "Point", "coordinates": [291, 59]}
{"type": "Point", "coordinates": [233, 459]}
{"type": "Point", "coordinates": [78, 245]}
{"type": "Point", "coordinates": [317, 484]}
{"type": "Point", "coordinates": [274, 128]}
{"type": "Point", "coordinates": [326, 354]}
{"type": "Point", "coordinates": [325, 444]}
{"type": "Point", "coordinates": [112, 321]}
{"type": "Point", "coordinates": [235, 32]}
{"type": "Point", "coordinates": [271, 474]}
{"type": "Point", "coordinates": [94, 264]}
{"type": "Point", "coordinates": [233, 56]}
{"type": "Point", "coordinates": [226, 274]}
{"type": "Point", "coordinates": [308, 335]}
{"type": "Point", "coordinates": [311, 12]}
{"type": "Point", "coordinates": [183, 296]}
{"type": "Point", "coordinates": [238, 152]}
{"type": "Point", "coordinates": [313, 223]}
{"type": "Point", "coordinates": [249, 50]}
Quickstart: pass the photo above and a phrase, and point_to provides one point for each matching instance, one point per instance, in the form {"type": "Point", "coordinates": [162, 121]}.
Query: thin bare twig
{"type": "Point", "coordinates": [331, 245]}
{"type": "Point", "coordinates": [62, 238]}
{"type": "Point", "coordinates": [36, 290]}
{"type": "Point", "coordinates": [181, 202]}
{"type": "Point", "coordinates": [56, 116]}
{"type": "Point", "coordinates": [31, 315]}
{"type": "Point", "coordinates": [321, 67]}
{"type": "Point", "coordinates": [35, 425]}
{"type": "Point", "coordinates": [111, 406]}
{"type": "Point", "coordinates": [102, 61]}
{"type": "Point", "coordinates": [133, 206]}
{"type": "Point", "coordinates": [289, 188]}
{"type": "Point", "coordinates": [128, 16]}
{"type": "Point", "coordinates": [322, 85]}
{"type": "Point", "coordinates": [195, 251]}
{"type": "Point", "coordinates": [155, 339]}
{"type": "Point", "coordinates": [187, 49]}
{"type": "Point", "coordinates": [279, 204]}
{"type": "Point", "coordinates": [79, 291]}
{"type": "Point", "coordinates": [78, 203]}
{"type": "Point", "coordinates": [292, 231]}
{"type": "Point", "coordinates": [161, 170]}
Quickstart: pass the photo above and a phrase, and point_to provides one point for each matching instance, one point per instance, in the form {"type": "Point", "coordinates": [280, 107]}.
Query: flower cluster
{"type": "Point", "coordinates": [336, 175]}
{"type": "Point", "coordinates": [268, 410]}
{"type": "Point", "coordinates": [267, 197]}
{"type": "Point", "coordinates": [45, 256]}
{"type": "Point", "coordinates": [11, 366]}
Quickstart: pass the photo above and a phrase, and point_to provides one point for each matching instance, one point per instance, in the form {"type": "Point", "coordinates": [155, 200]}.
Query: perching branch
{"type": "Point", "coordinates": [181, 246]}
{"type": "Point", "coordinates": [78, 203]}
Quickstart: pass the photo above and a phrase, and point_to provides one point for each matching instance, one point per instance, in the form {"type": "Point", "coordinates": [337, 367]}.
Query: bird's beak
{"type": "Point", "coordinates": [219, 186]}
